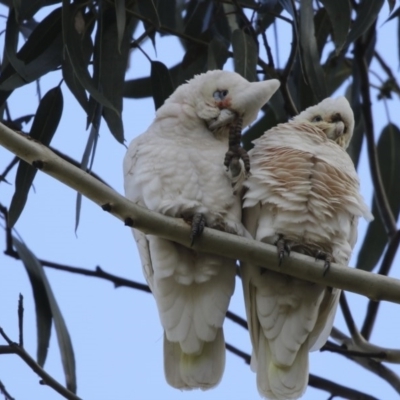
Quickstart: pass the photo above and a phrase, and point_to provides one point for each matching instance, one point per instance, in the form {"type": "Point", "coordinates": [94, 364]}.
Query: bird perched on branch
{"type": "Point", "coordinates": [303, 195]}
{"type": "Point", "coordinates": [177, 168]}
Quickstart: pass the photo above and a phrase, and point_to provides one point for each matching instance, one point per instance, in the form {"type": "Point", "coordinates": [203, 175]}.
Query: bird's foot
{"type": "Point", "coordinates": [198, 224]}
{"type": "Point", "coordinates": [327, 257]}
{"type": "Point", "coordinates": [236, 151]}
{"type": "Point", "coordinates": [282, 246]}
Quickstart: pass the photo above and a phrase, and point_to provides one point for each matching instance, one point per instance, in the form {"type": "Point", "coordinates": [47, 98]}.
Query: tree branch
{"type": "Point", "coordinates": [374, 286]}
{"type": "Point", "coordinates": [315, 381]}
{"type": "Point", "coordinates": [14, 348]}
{"type": "Point", "coordinates": [368, 363]}
{"type": "Point", "coordinates": [373, 306]}
{"type": "Point", "coordinates": [4, 392]}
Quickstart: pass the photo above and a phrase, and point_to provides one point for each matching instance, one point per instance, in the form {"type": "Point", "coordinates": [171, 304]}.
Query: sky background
{"type": "Point", "coordinates": [116, 333]}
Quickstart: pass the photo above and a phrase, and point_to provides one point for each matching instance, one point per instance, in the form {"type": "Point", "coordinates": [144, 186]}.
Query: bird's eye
{"type": "Point", "coordinates": [220, 94]}
{"type": "Point", "coordinates": [317, 118]}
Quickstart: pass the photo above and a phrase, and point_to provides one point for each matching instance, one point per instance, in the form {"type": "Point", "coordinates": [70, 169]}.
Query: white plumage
{"type": "Point", "coordinates": [176, 168]}
{"type": "Point", "coordinates": [303, 191]}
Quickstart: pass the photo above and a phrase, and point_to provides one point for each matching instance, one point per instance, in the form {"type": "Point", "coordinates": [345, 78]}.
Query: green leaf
{"type": "Point", "coordinates": [42, 306]}
{"type": "Point", "coordinates": [339, 12]}
{"type": "Point", "coordinates": [35, 269]}
{"type": "Point", "coordinates": [121, 20]}
{"type": "Point", "coordinates": [389, 162]}
{"type": "Point", "coordinates": [161, 83]}
{"type": "Point", "coordinates": [71, 41]}
{"type": "Point", "coordinates": [245, 54]}
{"type": "Point", "coordinates": [194, 62]}
{"type": "Point", "coordinates": [148, 9]}
{"type": "Point", "coordinates": [323, 29]}
{"type": "Point", "coordinates": [394, 15]}
{"type": "Point", "coordinates": [26, 9]}
{"type": "Point", "coordinates": [41, 53]}
{"type": "Point", "coordinates": [110, 66]}
{"type": "Point", "coordinates": [367, 13]}
{"type": "Point", "coordinates": [44, 125]}
{"type": "Point", "coordinates": [391, 3]}
{"type": "Point", "coordinates": [217, 54]}
{"type": "Point", "coordinates": [336, 73]}
{"type": "Point", "coordinates": [141, 88]}
{"type": "Point", "coordinates": [312, 68]}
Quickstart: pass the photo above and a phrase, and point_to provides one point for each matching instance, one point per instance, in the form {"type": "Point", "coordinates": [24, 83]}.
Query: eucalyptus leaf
{"type": "Point", "coordinates": [44, 126]}
{"type": "Point", "coordinates": [64, 341]}
{"type": "Point", "coordinates": [245, 55]}
{"type": "Point", "coordinates": [162, 86]}
{"type": "Point", "coordinates": [389, 163]}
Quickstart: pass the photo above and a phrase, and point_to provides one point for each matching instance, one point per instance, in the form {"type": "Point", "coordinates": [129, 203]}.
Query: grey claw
{"type": "Point", "coordinates": [198, 224]}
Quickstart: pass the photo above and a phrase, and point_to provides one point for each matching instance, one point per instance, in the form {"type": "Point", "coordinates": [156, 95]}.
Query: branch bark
{"type": "Point", "coordinates": [374, 286]}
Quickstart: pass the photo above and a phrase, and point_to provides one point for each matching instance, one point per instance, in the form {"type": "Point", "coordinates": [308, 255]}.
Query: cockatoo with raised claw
{"type": "Point", "coordinates": [177, 168]}
{"type": "Point", "coordinates": [302, 195]}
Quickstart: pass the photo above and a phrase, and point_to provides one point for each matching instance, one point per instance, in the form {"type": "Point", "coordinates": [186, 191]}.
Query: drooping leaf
{"type": "Point", "coordinates": [217, 54]}
{"type": "Point", "coordinates": [148, 9]}
{"type": "Point", "coordinates": [198, 17]}
{"type": "Point", "coordinates": [41, 53]}
{"type": "Point", "coordinates": [339, 12]}
{"type": "Point", "coordinates": [312, 69]}
{"type": "Point", "coordinates": [72, 36]}
{"type": "Point", "coordinates": [245, 54]}
{"type": "Point", "coordinates": [162, 86]}
{"type": "Point", "coordinates": [64, 340]}
{"type": "Point", "coordinates": [110, 66]}
{"type": "Point", "coordinates": [391, 3]}
{"type": "Point", "coordinates": [393, 15]}
{"type": "Point", "coordinates": [367, 13]}
{"type": "Point", "coordinates": [266, 15]}
{"type": "Point", "coordinates": [44, 316]}
{"type": "Point", "coordinates": [121, 20]}
{"type": "Point", "coordinates": [141, 88]}
{"type": "Point", "coordinates": [389, 162]}
{"type": "Point", "coordinates": [194, 62]}
{"type": "Point", "coordinates": [88, 156]}
{"type": "Point", "coordinates": [336, 72]}
{"type": "Point", "coordinates": [323, 28]}
{"type": "Point", "coordinates": [44, 125]}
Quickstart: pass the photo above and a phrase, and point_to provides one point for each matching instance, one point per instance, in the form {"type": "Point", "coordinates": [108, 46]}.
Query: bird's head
{"type": "Point", "coordinates": [334, 117]}
{"type": "Point", "coordinates": [218, 97]}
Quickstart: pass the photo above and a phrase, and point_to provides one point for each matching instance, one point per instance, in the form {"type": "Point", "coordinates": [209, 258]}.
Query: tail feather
{"type": "Point", "coordinates": [281, 382]}
{"type": "Point", "coordinates": [188, 371]}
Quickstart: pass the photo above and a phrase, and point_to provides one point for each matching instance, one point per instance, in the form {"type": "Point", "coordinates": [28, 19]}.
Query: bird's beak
{"type": "Point", "coordinates": [225, 117]}
{"type": "Point", "coordinates": [249, 101]}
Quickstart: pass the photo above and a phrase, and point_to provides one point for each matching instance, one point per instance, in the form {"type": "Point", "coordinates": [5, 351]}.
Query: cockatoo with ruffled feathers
{"type": "Point", "coordinates": [302, 195]}
{"type": "Point", "coordinates": [177, 168]}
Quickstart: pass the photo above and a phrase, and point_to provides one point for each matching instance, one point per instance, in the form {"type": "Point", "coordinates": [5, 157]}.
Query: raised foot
{"type": "Point", "coordinates": [327, 257]}
{"type": "Point", "coordinates": [198, 224]}
{"type": "Point", "coordinates": [236, 151]}
{"type": "Point", "coordinates": [282, 246]}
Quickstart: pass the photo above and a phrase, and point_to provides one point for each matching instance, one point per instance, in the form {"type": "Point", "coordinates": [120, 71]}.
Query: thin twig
{"type": "Point", "coordinates": [246, 357]}
{"type": "Point", "coordinates": [373, 306]}
{"type": "Point", "coordinates": [4, 392]}
{"type": "Point", "coordinates": [46, 378]}
{"type": "Point", "coordinates": [351, 326]}
{"type": "Point", "coordinates": [368, 363]}
{"type": "Point", "coordinates": [315, 381]}
{"type": "Point", "coordinates": [9, 167]}
{"type": "Point", "coordinates": [380, 195]}
{"type": "Point", "coordinates": [337, 390]}
{"type": "Point", "coordinates": [334, 348]}
{"type": "Point", "coordinates": [21, 320]}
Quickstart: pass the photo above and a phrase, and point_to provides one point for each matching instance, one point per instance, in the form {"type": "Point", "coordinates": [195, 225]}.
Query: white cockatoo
{"type": "Point", "coordinates": [303, 194]}
{"type": "Point", "coordinates": [177, 168]}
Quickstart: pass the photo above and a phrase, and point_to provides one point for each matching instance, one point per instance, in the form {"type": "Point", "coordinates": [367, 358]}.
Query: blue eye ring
{"type": "Point", "coordinates": [317, 118]}
{"type": "Point", "coordinates": [220, 94]}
